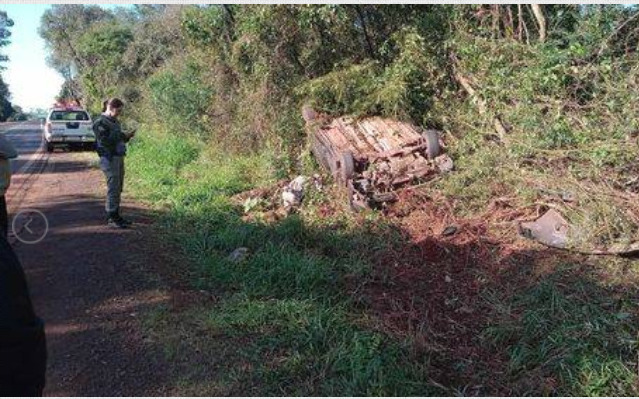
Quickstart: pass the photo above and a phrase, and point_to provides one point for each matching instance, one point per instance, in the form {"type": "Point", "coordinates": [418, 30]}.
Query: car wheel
{"type": "Point", "coordinates": [321, 154]}
{"type": "Point", "coordinates": [347, 167]}
{"type": "Point", "coordinates": [49, 147]}
{"type": "Point", "coordinates": [432, 142]}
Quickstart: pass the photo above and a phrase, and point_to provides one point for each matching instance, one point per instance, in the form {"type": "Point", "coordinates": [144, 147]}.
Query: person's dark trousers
{"type": "Point", "coordinates": [23, 352]}
{"type": "Point", "coordinates": [4, 218]}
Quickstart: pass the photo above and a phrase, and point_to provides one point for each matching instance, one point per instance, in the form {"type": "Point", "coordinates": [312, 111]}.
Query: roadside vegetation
{"type": "Point", "coordinates": [538, 109]}
{"type": "Point", "coordinates": [8, 111]}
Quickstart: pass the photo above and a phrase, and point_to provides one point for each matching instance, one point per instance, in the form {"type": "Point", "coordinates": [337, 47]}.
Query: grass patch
{"type": "Point", "coordinates": [288, 321]}
{"type": "Point", "coordinates": [287, 303]}
{"type": "Point", "coordinates": [303, 348]}
{"type": "Point", "coordinates": [571, 333]}
{"type": "Point", "coordinates": [567, 133]}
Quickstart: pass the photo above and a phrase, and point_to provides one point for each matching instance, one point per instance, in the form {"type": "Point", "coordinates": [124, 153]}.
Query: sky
{"type": "Point", "coordinates": [33, 84]}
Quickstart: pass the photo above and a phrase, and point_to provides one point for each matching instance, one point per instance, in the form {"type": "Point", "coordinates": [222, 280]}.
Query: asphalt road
{"type": "Point", "coordinates": [27, 138]}
{"type": "Point", "coordinates": [88, 282]}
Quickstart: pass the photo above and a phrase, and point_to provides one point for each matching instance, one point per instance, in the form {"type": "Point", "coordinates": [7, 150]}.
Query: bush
{"type": "Point", "coordinates": [180, 98]}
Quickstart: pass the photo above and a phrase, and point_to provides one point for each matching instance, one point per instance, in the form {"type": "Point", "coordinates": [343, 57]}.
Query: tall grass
{"type": "Point", "coordinates": [287, 301]}
{"type": "Point", "coordinates": [578, 336]}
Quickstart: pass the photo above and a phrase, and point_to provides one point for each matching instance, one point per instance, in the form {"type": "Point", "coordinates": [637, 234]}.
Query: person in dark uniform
{"type": "Point", "coordinates": [23, 350]}
{"type": "Point", "coordinates": [111, 147]}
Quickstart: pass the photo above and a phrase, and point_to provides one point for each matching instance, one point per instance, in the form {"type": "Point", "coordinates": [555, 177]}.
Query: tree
{"type": "Point", "coordinates": [62, 25]}
{"type": "Point", "coordinates": [6, 109]}
{"type": "Point", "coordinates": [157, 36]}
{"type": "Point", "coordinates": [5, 33]}
{"type": "Point", "coordinates": [102, 48]}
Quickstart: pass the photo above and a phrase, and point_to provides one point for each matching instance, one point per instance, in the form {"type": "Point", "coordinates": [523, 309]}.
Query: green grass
{"type": "Point", "coordinates": [287, 302]}
{"type": "Point", "coordinates": [304, 348]}
{"type": "Point", "coordinates": [573, 332]}
{"type": "Point", "coordinates": [567, 132]}
{"type": "Point", "coordinates": [288, 320]}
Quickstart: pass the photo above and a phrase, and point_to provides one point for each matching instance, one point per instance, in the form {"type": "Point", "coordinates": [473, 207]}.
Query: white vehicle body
{"type": "Point", "coordinates": [68, 126]}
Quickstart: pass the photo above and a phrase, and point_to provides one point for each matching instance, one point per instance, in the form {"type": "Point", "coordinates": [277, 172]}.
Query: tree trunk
{"type": "Point", "coordinates": [362, 19]}
{"type": "Point", "coordinates": [520, 26]}
{"type": "Point", "coordinates": [482, 107]}
{"type": "Point", "coordinates": [509, 22]}
{"type": "Point", "coordinates": [541, 21]}
{"type": "Point", "coordinates": [495, 13]}
{"type": "Point", "coordinates": [230, 24]}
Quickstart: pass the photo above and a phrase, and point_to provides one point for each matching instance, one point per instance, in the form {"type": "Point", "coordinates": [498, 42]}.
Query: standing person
{"type": "Point", "coordinates": [111, 147]}
{"type": "Point", "coordinates": [7, 152]}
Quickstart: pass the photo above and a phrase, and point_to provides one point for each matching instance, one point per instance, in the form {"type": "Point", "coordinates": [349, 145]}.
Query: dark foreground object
{"type": "Point", "coordinates": [23, 353]}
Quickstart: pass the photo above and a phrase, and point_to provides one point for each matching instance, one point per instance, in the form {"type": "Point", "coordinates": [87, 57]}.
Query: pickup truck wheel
{"type": "Point", "coordinates": [49, 147]}
{"type": "Point", "coordinates": [432, 142]}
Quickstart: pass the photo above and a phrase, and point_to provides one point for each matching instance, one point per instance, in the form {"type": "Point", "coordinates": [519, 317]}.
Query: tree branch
{"type": "Point", "coordinates": [362, 19]}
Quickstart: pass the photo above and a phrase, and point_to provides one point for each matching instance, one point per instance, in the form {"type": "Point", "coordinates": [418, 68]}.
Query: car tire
{"type": "Point", "coordinates": [50, 147]}
{"type": "Point", "coordinates": [320, 152]}
{"type": "Point", "coordinates": [347, 169]}
{"type": "Point", "coordinates": [432, 143]}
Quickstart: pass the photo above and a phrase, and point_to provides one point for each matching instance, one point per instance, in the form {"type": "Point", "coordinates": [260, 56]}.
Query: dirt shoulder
{"type": "Point", "coordinates": [93, 285]}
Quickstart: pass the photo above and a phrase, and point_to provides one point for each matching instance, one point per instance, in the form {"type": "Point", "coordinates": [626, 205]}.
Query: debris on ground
{"type": "Point", "coordinates": [449, 230]}
{"type": "Point", "coordinates": [238, 255]}
{"type": "Point", "coordinates": [293, 193]}
{"type": "Point", "coordinates": [553, 230]}
{"type": "Point", "coordinates": [275, 202]}
{"type": "Point", "coordinates": [262, 196]}
{"type": "Point", "coordinates": [252, 203]}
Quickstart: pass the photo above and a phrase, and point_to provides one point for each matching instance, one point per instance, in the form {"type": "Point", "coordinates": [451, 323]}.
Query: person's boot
{"type": "Point", "coordinates": [114, 220]}
{"type": "Point", "coordinates": [123, 220]}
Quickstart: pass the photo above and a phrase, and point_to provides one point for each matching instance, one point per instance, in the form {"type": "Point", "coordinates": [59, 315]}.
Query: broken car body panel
{"type": "Point", "coordinates": [553, 230]}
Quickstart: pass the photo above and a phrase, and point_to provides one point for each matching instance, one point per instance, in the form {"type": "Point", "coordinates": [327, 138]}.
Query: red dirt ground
{"type": "Point", "coordinates": [429, 289]}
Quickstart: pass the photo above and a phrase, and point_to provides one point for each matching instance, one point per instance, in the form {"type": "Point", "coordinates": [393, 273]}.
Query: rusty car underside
{"type": "Point", "coordinates": [373, 157]}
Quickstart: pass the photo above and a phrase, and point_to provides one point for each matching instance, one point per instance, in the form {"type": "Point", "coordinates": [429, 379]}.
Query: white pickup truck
{"type": "Point", "coordinates": [68, 126]}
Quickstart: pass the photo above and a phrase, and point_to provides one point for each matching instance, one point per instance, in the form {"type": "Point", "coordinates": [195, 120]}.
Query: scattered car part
{"type": "Point", "coordinates": [450, 230]}
{"type": "Point", "coordinates": [553, 230]}
{"type": "Point", "coordinates": [238, 255]}
{"type": "Point", "coordinates": [293, 193]}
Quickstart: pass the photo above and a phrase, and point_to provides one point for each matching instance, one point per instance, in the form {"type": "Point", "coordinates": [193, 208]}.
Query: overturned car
{"type": "Point", "coordinates": [373, 157]}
